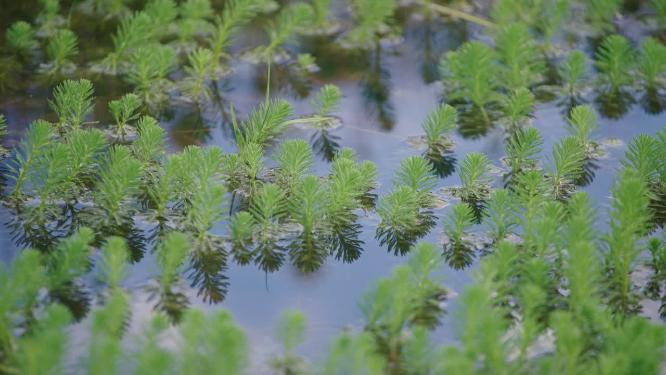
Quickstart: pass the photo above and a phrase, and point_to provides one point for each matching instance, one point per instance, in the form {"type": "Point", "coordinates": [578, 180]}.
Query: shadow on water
{"type": "Point", "coordinates": [473, 124]}
{"type": "Point", "coordinates": [325, 144]}
{"type": "Point", "coordinates": [613, 105]}
{"type": "Point", "coordinates": [653, 101]}
{"type": "Point", "coordinates": [375, 86]}
{"type": "Point", "coordinates": [443, 162]}
{"type": "Point", "coordinates": [208, 274]}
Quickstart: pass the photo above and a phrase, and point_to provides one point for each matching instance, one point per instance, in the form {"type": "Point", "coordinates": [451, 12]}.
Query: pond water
{"type": "Point", "coordinates": [387, 92]}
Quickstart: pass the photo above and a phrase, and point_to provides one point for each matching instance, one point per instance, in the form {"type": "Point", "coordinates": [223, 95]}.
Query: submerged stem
{"type": "Point", "coordinates": [455, 13]}
{"type": "Point", "coordinates": [308, 120]}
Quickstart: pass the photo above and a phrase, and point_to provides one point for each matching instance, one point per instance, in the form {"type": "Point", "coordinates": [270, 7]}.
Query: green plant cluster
{"type": "Point", "coordinates": [561, 300]}
{"type": "Point", "coordinates": [184, 60]}
{"type": "Point", "coordinates": [66, 175]}
{"type": "Point", "coordinates": [526, 60]}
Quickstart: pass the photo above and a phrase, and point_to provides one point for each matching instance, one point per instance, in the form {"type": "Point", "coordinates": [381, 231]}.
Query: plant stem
{"type": "Point", "coordinates": [455, 13]}
{"type": "Point", "coordinates": [485, 114]}
{"type": "Point", "coordinates": [308, 120]}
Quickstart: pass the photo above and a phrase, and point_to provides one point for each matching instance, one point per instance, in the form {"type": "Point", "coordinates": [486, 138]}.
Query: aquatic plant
{"type": "Point", "coordinates": [545, 17]}
{"type": "Point", "coordinates": [291, 20]}
{"type": "Point", "coordinates": [518, 106]}
{"type": "Point", "coordinates": [308, 208]}
{"type": "Point", "coordinates": [124, 111]}
{"type": "Point", "coordinates": [55, 174]}
{"type": "Point", "coordinates": [62, 47]}
{"type": "Point", "coordinates": [628, 221]}
{"type": "Point", "coordinates": [583, 266]}
{"type": "Point", "coordinates": [652, 62]}
{"type": "Point", "coordinates": [474, 177]}
{"type": "Point", "coordinates": [398, 311]}
{"type": "Point", "coordinates": [212, 343]}
{"type": "Point", "coordinates": [519, 56]}
{"type": "Point", "coordinates": [618, 339]}
{"type": "Point", "coordinates": [643, 156]}
{"type": "Point", "coordinates": [351, 187]}
{"type": "Point", "coordinates": [149, 146]}
{"type": "Point", "coordinates": [568, 157]}
{"type": "Point", "coordinates": [501, 215]}
{"type": "Point", "coordinates": [163, 188]}
{"type": "Point", "coordinates": [162, 13]}
{"type": "Point", "coordinates": [573, 72]}
{"type": "Point", "coordinates": [30, 150]}
{"type": "Point", "coordinates": [458, 252]}
{"type": "Point", "coordinates": [354, 354]}
{"type": "Point", "coordinates": [72, 102]}
{"type": "Point", "coordinates": [194, 19]}
{"type": "Point", "coordinates": [251, 160]}
{"type": "Point", "coordinates": [171, 255]}
{"type": "Point", "coordinates": [291, 333]}
{"type": "Point", "coordinates": [552, 16]}
{"type": "Point", "coordinates": [3, 134]}
{"type": "Point", "coordinates": [196, 9]}
{"type": "Point", "coordinates": [44, 350]}
{"type": "Point", "coordinates": [264, 123]}
{"type": "Point", "coordinates": [236, 13]}
{"type": "Point", "coordinates": [532, 191]}
{"type": "Point", "coordinates": [569, 325]}
{"type": "Point", "coordinates": [10, 69]}
{"type": "Point", "coordinates": [268, 208]}
{"type": "Point", "coordinates": [416, 173]}
{"type": "Point", "coordinates": [149, 68]}
{"type": "Point", "coordinates": [549, 276]}
{"type": "Point", "coordinates": [108, 324]}
{"type": "Point", "coordinates": [320, 11]}
{"type": "Point", "coordinates": [195, 169]}
{"type": "Point", "coordinates": [66, 264]}
{"type": "Point", "coordinates": [241, 227]}
{"type": "Point", "coordinates": [660, 8]}
{"type": "Point", "coordinates": [614, 60]}
{"type": "Point", "coordinates": [118, 182]}
{"type": "Point", "coordinates": [646, 156]}
{"type": "Point", "coordinates": [406, 212]}
{"type": "Point", "coordinates": [20, 287]}
{"type": "Point", "coordinates": [133, 32]}
{"type": "Point", "coordinates": [373, 18]}
{"type": "Point", "coordinates": [583, 121]}
{"type": "Point", "coordinates": [48, 18]}
{"type": "Point", "coordinates": [295, 159]}
{"type": "Point", "coordinates": [325, 102]}
{"type": "Point", "coordinates": [195, 86]}
{"type": "Point", "coordinates": [657, 264]}
{"type": "Point", "coordinates": [472, 71]}
{"type": "Point", "coordinates": [49, 179]}
{"type": "Point", "coordinates": [108, 8]}
{"type": "Point", "coordinates": [113, 263]}
{"type": "Point", "coordinates": [401, 225]}
{"type": "Point", "coordinates": [85, 148]}
{"type": "Point", "coordinates": [206, 210]}
{"type": "Point", "coordinates": [306, 62]}
{"type": "Point", "coordinates": [410, 298]}
{"type": "Point", "coordinates": [20, 38]}
{"type": "Point", "coordinates": [437, 125]}
{"type": "Point", "coordinates": [151, 357]}
{"type": "Point", "coordinates": [600, 13]}
{"type": "Point", "coordinates": [543, 240]}
{"type": "Point", "coordinates": [483, 327]}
